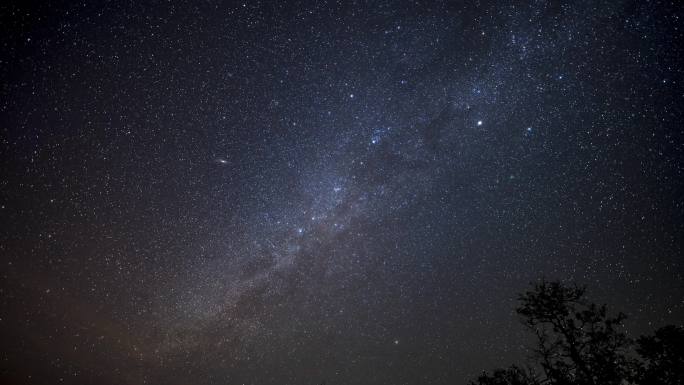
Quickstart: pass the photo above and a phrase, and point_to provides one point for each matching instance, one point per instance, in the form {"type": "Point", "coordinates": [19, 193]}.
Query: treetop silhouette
{"type": "Point", "coordinates": [579, 343]}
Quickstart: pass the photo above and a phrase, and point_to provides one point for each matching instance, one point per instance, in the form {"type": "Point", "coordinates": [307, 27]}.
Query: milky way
{"type": "Point", "coordinates": [322, 192]}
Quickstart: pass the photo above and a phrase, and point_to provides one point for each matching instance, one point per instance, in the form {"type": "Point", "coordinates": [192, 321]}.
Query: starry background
{"type": "Point", "coordinates": [328, 192]}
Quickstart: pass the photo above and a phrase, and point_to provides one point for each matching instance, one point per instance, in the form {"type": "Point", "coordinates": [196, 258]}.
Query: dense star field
{"type": "Point", "coordinates": [328, 192]}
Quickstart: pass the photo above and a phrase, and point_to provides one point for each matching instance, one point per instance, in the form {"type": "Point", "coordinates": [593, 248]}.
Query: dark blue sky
{"type": "Point", "coordinates": [328, 192]}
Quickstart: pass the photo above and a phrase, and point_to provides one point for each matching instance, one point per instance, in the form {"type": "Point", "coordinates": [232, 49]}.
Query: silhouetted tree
{"type": "Point", "coordinates": [511, 376]}
{"type": "Point", "coordinates": [662, 357]}
{"type": "Point", "coordinates": [579, 343]}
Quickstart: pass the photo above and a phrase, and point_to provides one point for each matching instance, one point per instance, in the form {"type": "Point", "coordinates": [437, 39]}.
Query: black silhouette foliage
{"type": "Point", "coordinates": [511, 376]}
{"type": "Point", "coordinates": [663, 357]}
{"type": "Point", "coordinates": [579, 343]}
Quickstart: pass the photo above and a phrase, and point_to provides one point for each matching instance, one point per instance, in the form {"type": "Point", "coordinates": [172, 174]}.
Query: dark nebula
{"type": "Point", "coordinates": [281, 192]}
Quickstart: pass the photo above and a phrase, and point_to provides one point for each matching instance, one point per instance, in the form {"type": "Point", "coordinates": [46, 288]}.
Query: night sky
{"type": "Point", "coordinates": [328, 192]}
